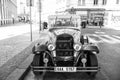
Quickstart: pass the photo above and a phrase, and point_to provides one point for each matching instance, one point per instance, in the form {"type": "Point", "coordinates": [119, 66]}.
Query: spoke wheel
{"type": "Point", "coordinates": [37, 61]}
{"type": "Point", "coordinates": [92, 62]}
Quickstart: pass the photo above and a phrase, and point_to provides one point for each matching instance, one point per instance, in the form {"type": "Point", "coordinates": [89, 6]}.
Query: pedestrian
{"type": "Point", "coordinates": [83, 24]}
{"type": "Point", "coordinates": [87, 22]}
{"type": "Point", "coordinates": [45, 25]}
{"type": "Point", "coordinates": [100, 23]}
{"type": "Point", "coordinates": [13, 20]}
{"type": "Point", "coordinates": [24, 19]}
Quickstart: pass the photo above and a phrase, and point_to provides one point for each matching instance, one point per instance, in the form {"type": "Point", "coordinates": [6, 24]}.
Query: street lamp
{"type": "Point", "coordinates": [39, 15]}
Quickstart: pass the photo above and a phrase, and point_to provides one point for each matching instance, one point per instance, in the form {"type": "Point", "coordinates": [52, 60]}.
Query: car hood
{"type": "Point", "coordinates": [74, 32]}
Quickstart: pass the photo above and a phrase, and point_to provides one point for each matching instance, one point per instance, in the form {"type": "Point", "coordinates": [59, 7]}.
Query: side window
{"type": "Point", "coordinates": [104, 2]}
{"type": "Point", "coordinates": [95, 2]}
{"type": "Point", "coordinates": [117, 1]}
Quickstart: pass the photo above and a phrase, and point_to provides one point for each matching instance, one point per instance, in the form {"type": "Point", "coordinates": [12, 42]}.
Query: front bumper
{"type": "Point", "coordinates": [78, 69]}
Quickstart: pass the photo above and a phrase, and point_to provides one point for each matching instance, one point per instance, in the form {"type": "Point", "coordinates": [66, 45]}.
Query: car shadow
{"type": "Point", "coordinates": [70, 76]}
{"type": "Point", "coordinates": [66, 76]}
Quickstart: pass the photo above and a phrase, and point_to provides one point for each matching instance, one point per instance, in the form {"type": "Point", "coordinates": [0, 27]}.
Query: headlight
{"type": "Point", "coordinates": [94, 52]}
{"type": "Point", "coordinates": [51, 47]}
{"type": "Point", "coordinates": [77, 47]}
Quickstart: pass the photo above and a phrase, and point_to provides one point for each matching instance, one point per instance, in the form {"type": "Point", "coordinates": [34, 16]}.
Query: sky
{"type": "Point", "coordinates": [48, 8]}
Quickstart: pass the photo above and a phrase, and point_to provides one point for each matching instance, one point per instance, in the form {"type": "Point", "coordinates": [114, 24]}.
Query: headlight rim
{"type": "Point", "coordinates": [52, 46]}
{"type": "Point", "coordinates": [77, 45]}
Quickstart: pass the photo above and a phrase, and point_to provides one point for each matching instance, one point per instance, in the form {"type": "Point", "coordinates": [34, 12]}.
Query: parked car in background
{"type": "Point", "coordinates": [84, 21]}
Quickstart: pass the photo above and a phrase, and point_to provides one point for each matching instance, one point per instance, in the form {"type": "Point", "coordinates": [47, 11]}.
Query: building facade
{"type": "Point", "coordinates": [96, 10]}
{"type": "Point", "coordinates": [8, 11]}
{"type": "Point", "coordinates": [61, 6]}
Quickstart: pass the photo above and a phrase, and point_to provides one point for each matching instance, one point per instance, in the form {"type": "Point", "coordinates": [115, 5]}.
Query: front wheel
{"type": "Point", "coordinates": [92, 62]}
{"type": "Point", "coordinates": [37, 61]}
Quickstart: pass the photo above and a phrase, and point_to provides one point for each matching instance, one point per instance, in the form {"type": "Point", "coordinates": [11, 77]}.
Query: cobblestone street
{"type": "Point", "coordinates": [14, 39]}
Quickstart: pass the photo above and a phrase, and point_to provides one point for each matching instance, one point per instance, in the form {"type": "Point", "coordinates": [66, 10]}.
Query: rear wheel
{"type": "Point", "coordinates": [37, 62]}
{"type": "Point", "coordinates": [92, 62]}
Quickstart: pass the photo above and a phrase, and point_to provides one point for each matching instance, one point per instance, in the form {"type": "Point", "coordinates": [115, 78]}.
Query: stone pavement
{"type": "Point", "coordinates": [21, 50]}
{"type": "Point", "coordinates": [13, 51]}
{"type": "Point", "coordinates": [93, 26]}
{"type": "Point", "coordinates": [11, 46]}
{"type": "Point", "coordinates": [115, 28]}
{"type": "Point", "coordinates": [9, 25]}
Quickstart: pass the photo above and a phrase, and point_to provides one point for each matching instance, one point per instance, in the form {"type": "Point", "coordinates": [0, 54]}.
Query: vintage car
{"type": "Point", "coordinates": [65, 49]}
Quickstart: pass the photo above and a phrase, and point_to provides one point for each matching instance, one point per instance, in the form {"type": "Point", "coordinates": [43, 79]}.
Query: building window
{"type": "Point", "coordinates": [95, 2]}
{"type": "Point", "coordinates": [117, 2]}
{"type": "Point", "coordinates": [104, 2]}
{"type": "Point", "coordinates": [58, 1]}
{"type": "Point", "coordinates": [81, 2]}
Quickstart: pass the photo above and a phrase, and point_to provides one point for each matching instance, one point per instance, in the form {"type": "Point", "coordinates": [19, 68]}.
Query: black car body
{"type": "Point", "coordinates": [65, 49]}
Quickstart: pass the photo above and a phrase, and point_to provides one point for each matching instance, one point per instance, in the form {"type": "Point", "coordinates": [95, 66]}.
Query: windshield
{"type": "Point", "coordinates": [64, 22]}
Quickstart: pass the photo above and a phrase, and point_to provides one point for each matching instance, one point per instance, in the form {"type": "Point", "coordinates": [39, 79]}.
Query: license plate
{"type": "Point", "coordinates": [65, 69]}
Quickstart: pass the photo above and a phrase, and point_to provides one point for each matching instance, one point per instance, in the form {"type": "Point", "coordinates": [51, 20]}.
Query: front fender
{"type": "Point", "coordinates": [91, 48]}
{"type": "Point", "coordinates": [39, 48]}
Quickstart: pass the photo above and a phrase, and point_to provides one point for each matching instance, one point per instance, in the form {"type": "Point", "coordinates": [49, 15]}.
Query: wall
{"type": "Point", "coordinates": [0, 12]}
{"type": "Point", "coordinates": [8, 10]}
{"type": "Point", "coordinates": [113, 19]}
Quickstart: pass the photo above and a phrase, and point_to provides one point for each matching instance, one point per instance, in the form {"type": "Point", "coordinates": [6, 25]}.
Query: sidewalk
{"type": "Point", "coordinates": [13, 50]}
{"type": "Point", "coordinates": [12, 54]}
{"type": "Point", "coordinates": [93, 27]}
{"type": "Point", "coordinates": [13, 43]}
{"type": "Point", "coordinates": [114, 28]}
{"type": "Point", "coordinates": [105, 27]}
{"type": "Point", "coordinates": [15, 30]}
{"type": "Point", "coordinates": [10, 24]}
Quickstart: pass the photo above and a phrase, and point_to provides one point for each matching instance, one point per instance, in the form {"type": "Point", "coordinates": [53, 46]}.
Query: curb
{"type": "Point", "coordinates": [22, 70]}
{"type": "Point", "coordinates": [11, 24]}
{"type": "Point", "coordinates": [22, 77]}
{"type": "Point", "coordinates": [14, 69]}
